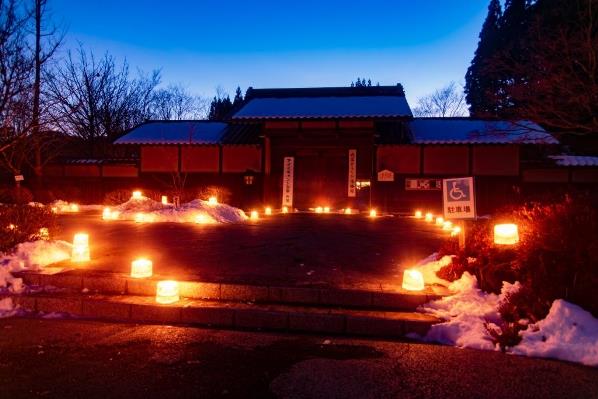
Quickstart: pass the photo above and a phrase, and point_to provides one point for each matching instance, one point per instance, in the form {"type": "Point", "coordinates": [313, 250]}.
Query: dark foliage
{"type": "Point", "coordinates": [16, 195]}
{"type": "Point", "coordinates": [20, 223]}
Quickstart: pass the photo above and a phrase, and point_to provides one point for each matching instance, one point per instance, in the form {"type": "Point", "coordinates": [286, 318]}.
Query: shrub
{"type": "Point", "coordinates": [16, 196]}
{"type": "Point", "coordinates": [222, 193]}
{"type": "Point", "coordinates": [20, 223]}
{"type": "Point", "coordinates": [557, 257]}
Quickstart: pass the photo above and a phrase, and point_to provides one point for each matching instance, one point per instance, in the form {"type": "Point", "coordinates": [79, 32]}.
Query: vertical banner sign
{"type": "Point", "coordinates": [351, 189]}
{"type": "Point", "coordinates": [458, 198]}
{"type": "Point", "coordinates": [287, 181]}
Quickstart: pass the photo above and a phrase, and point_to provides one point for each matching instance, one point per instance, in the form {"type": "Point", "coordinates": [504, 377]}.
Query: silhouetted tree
{"type": "Point", "coordinates": [446, 102]}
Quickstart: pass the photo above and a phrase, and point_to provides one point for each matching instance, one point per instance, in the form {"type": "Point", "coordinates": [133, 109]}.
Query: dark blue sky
{"type": "Point", "coordinates": [203, 44]}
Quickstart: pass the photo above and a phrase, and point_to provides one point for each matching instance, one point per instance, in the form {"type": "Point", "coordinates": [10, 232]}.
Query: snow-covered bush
{"type": "Point", "coordinates": [20, 223]}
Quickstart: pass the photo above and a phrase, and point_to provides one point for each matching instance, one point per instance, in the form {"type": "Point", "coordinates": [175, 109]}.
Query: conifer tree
{"type": "Point", "coordinates": [479, 87]}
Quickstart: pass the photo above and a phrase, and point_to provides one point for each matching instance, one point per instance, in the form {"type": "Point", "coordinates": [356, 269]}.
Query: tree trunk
{"type": "Point", "coordinates": [36, 92]}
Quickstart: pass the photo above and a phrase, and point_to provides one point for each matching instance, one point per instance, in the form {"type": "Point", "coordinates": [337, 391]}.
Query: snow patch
{"type": "Point", "coordinates": [190, 212]}
{"type": "Point", "coordinates": [431, 265]}
{"type": "Point", "coordinates": [567, 333]}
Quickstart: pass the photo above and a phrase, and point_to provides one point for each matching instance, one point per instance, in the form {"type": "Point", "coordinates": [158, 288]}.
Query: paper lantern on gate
{"type": "Point", "coordinates": [506, 234]}
{"type": "Point", "coordinates": [413, 280]}
{"type": "Point", "coordinates": [167, 291]}
{"type": "Point", "coordinates": [141, 268]}
{"type": "Point", "coordinates": [80, 252]}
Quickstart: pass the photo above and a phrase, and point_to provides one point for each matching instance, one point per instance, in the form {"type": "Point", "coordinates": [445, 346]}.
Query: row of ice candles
{"type": "Point", "coordinates": [167, 291]}
{"type": "Point", "coordinates": [446, 225]}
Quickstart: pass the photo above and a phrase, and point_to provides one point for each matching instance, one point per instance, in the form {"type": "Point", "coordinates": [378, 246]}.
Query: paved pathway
{"type": "Point", "coordinates": [301, 249]}
{"type": "Point", "coordinates": [78, 359]}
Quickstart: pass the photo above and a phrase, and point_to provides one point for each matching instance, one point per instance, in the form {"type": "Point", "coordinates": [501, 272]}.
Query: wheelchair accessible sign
{"type": "Point", "coordinates": [458, 198]}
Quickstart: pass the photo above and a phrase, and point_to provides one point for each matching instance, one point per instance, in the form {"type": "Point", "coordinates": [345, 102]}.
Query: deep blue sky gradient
{"type": "Point", "coordinates": [203, 44]}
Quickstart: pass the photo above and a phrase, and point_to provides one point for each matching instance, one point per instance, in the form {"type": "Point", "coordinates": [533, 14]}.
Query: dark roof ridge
{"type": "Point", "coordinates": [346, 91]}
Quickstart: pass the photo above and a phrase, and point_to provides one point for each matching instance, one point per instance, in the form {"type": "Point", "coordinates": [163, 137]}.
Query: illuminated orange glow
{"type": "Point", "coordinates": [413, 280]}
{"type": "Point", "coordinates": [167, 291]}
{"type": "Point", "coordinates": [54, 209]}
{"type": "Point", "coordinates": [418, 214]}
{"type": "Point", "coordinates": [164, 200]}
{"type": "Point", "coordinates": [140, 218]}
{"type": "Point", "coordinates": [326, 209]}
{"type": "Point", "coordinates": [11, 227]}
{"type": "Point", "coordinates": [373, 213]}
{"type": "Point", "coordinates": [348, 211]}
{"type": "Point", "coordinates": [74, 208]}
{"type": "Point", "coordinates": [455, 231]}
{"type": "Point", "coordinates": [254, 215]}
{"type": "Point", "coordinates": [506, 234]}
{"type": "Point", "coordinates": [447, 226]}
{"type": "Point", "coordinates": [429, 217]}
{"type": "Point", "coordinates": [213, 200]}
{"type": "Point", "coordinates": [202, 219]}
{"type": "Point", "coordinates": [268, 211]}
{"type": "Point", "coordinates": [141, 268]}
{"type": "Point", "coordinates": [136, 194]}
{"type": "Point", "coordinates": [319, 209]}
{"type": "Point", "coordinates": [285, 209]}
{"type": "Point", "coordinates": [107, 214]}
{"type": "Point", "coordinates": [80, 252]}
{"type": "Point", "coordinates": [439, 221]}
{"type": "Point", "coordinates": [44, 233]}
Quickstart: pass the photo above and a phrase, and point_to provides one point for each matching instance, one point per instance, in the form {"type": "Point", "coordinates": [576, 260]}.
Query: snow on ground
{"type": "Point", "coordinates": [568, 332]}
{"type": "Point", "coordinates": [60, 206]}
{"type": "Point", "coordinates": [431, 265]}
{"type": "Point", "coordinates": [197, 211]}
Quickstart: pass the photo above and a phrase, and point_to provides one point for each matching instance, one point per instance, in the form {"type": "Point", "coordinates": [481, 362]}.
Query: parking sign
{"type": "Point", "coordinates": [458, 198]}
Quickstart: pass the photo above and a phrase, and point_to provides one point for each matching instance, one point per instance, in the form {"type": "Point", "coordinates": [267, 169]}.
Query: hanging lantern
{"type": "Point", "coordinates": [285, 209]}
{"type": "Point", "coordinates": [373, 213]}
{"type": "Point", "coordinates": [136, 195]}
{"type": "Point", "coordinates": [268, 211]}
{"type": "Point", "coordinates": [141, 268]}
{"type": "Point", "coordinates": [439, 221]}
{"type": "Point", "coordinates": [80, 252]}
{"type": "Point", "coordinates": [254, 215]}
{"type": "Point", "coordinates": [164, 200]}
{"type": "Point", "coordinates": [167, 291]}
{"type": "Point", "coordinates": [429, 217]}
{"type": "Point", "coordinates": [213, 201]}
{"type": "Point", "coordinates": [418, 214]}
{"type": "Point", "coordinates": [506, 234]}
{"type": "Point", "coordinates": [413, 280]}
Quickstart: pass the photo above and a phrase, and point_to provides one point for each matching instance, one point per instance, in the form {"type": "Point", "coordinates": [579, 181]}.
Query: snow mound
{"type": "Point", "coordinates": [431, 265]}
{"type": "Point", "coordinates": [33, 255]}
{"type": "Point", "coordinates": [197, 211]}
{"type": "Point", "coordinates": [61, 206]}
{"type": "Point", "coordinates": [7, 308]}
{"type": "Point", "coordinates": [567, 333]}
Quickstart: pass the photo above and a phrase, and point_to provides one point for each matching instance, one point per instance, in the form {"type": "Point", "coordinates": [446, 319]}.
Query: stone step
{"type": "Point", "coordinates": [390, 297]}
{"type": "Point", "coordinates": [229, 315]}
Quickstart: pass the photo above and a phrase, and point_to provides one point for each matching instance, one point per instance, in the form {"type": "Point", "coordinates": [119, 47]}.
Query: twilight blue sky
{"type": "Point", "coordinates": [203, 44]}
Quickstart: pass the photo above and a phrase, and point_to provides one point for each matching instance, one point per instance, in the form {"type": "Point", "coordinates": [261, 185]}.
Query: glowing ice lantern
{"type": "Point", "coordinates": [447, 226]}
{"type": "Point", "coordinates": [254, 215]}
{"type": "Point", "coordinates": [429, 217]}
{"type": "Point", "coordinates": [413, 280]}
{"type": "Point", "coordinates": [44, 233]}
{"type": "Point", "coordinates": [373, 213]}
{"type": "Point", "coordinates": [74, 208]}
{"type": "Point", "coordinates": [418, 214]}
{"type": "Point", "coordinates": [319, 209]}
{"type": "Point", "coordinates": [54, 209]}
{"type": "Point", "coordinates": [139, 218]}
{"type": "Point", "coordinates": [80, 251]}
{"type": "Point", "coordinates": [164, 200]}
{"type": "Point", "coordinates": [268, 211]}
{"type": "Point", "coordinates": [285, 209]}
{"type": "Point", "coordinates": [213, 201]}
{"type": "Point", "coordinates": [167, 292]}
{"type": "Point", "coordinates": [137, 194]}
{"type": "Point", "coordinates": [107, 214]}
{"type": "Point", "coordinates": [455, 231]}
{"type": "Point", "coordinates": [439, 221]}
{"type": "Point", "coordinates": [326, 209]}
{"type": "Point", "coordinates": [141, 268]}
{"type": "Point", "coordinates": [348, 211]}
{"type": "Point", "coordinates": [201, 219]}
{"type": "Point", "coordinates": [506, 234]}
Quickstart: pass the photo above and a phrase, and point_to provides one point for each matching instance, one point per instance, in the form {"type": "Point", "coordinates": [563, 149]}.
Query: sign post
{"type": "Point", "coordinates": [351, 187]}
{"type": "Point", "coordinates": [287, 182]}
{"type": "Point", "coordinates": [458, 202]}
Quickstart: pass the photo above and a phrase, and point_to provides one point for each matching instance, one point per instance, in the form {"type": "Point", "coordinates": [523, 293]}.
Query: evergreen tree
{"type": "Point", "coordinates": [220, 108]}
{"type": "Point", "coordinates": [238, 100]}
{"type": "Point", "coordinates": [479, 86]}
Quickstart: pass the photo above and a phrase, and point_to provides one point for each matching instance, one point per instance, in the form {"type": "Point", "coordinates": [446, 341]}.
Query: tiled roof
{"type": "Point", "coordinates": [175, 132]}
{"type": "Point", "coordinates": [241, 133]}
{"type": "Point", "coordinates": [476, 131]}
{"type": "Point", "coordinates": [325, 102]}
{"type": "Point", "coordinates": [574, 160]}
